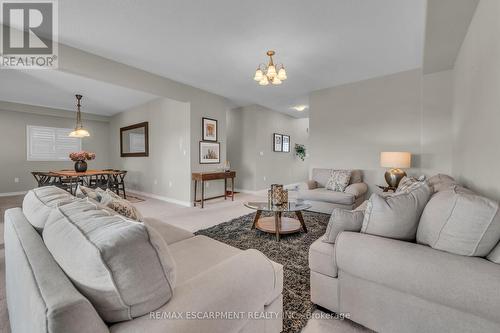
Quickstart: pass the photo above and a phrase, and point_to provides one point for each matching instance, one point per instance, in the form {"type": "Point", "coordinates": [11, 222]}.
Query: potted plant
{"type": "Point", "coordinates": [300, 151]}
{"type": "Point", "coordinates": [80, 158]}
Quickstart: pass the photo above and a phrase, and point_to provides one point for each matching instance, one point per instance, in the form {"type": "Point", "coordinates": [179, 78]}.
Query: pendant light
{"type": "Point", "coordinates": [79, 131]}
{"type": "Point", "coordinates": [270, 73]}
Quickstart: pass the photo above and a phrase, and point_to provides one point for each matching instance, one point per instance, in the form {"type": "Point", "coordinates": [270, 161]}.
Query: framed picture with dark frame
{"type": "Point", "coordinates": [277, 142]}
{"type": "Point", "coordinates": [285, 143]}
{"type": "Point", "coordinates": [209, 129]}
{"type": "Point", "coordinates": [209, 152]}
{"type": "Point", "coordinates": [134, 140]}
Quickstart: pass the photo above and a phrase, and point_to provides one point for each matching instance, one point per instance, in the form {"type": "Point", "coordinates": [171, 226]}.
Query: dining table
{"type": "Point", "coordinates": [72, 178]}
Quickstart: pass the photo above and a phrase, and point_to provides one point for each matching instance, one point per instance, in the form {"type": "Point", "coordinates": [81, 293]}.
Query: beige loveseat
{"type": "Point", "coordinates": [217, 289]}
{"type": "Point", "coordinates": [390, 285]}
{"type": "Point", "coordinates": [323, 200]}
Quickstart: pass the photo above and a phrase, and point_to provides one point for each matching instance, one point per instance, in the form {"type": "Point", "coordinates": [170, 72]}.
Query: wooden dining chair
{"type": "Point", "coordinates": [117, 182]}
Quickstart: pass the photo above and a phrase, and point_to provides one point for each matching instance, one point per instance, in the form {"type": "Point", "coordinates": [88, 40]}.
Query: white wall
{"type": "Point", "coordinates": [166, 171]}
{"type": "Point", "coordinates": [437, 138]}
{"type": "Point", "coordinates": [13, 163]}
{"type": "Point", "coordinates": [351, 124]}
{"type": "Point", "coordinates": [250, 148]}
{"type": "Point", "coordinates": [476, 110]}
{"type": "Point", "coordinates": [202, 103]}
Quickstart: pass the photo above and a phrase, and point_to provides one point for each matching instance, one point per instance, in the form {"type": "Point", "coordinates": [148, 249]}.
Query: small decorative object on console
{"type": "Point", "coordinates": [80, 158]}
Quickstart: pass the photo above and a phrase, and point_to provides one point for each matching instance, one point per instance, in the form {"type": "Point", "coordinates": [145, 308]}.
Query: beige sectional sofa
{"type": "Point", "coordinates": [323, 200]}
{"type": "Point", "coordinates": [444, 281]}
{"type": "Point", "coordinates": [51, 285]}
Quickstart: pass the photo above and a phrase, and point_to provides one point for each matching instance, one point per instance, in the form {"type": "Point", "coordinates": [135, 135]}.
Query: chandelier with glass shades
{"type": "Point", "coordinates": [79, 131]}
{"type": "Point", "coordinates": [270, 73]}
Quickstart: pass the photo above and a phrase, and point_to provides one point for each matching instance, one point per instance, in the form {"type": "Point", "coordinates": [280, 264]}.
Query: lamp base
{"type": "Point", "coordinates": [394, 176]}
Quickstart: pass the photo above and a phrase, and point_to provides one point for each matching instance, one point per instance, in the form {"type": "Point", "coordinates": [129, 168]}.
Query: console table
{"type": "Point", "coordinates": [208, 176]}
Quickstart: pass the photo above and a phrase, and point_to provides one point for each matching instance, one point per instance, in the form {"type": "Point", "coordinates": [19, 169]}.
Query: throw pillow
{"type": "Point", "coordinates": [338, 181]}
{"type": "Point", "coordinates": [461, 222]}
{"type": "Point", "coordinates": [407, 184]}
{"type": "Point", "coordinates": [87, 192]}
{"type": "Point", "coordinates": [123, 267]}
{"type": "Point", "coordinates": [342, 220]}
{"type": "Point", "coordinates": [494, 255]}
{"type": "Point", "coordinates": [120, 205]}
{"type": "Point", "coordinates": [441, 182]}
{"type": "Point", "coordinates": [396, 216]}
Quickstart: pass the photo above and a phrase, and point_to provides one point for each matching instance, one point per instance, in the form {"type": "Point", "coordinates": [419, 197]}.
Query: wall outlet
{"type": "Point", "coordinates": [169, 183]}
{"type": "Point", "coordinates": [16, 180]}
{"type": "Point", "coordinates": [265, 178]}
{"type": "Point", "coordinates": [155, 181]}
{"type": "Point", "coordinates": [261, 153]}
{"type": "Point", "coordinates": [207, 184]}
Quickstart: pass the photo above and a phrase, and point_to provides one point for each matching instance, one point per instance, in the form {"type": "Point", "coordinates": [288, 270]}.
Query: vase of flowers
{"type": "Point", "coordinates": [80, 158]}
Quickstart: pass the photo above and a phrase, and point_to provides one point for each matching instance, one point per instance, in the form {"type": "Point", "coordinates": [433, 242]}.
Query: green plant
{"type": "Point", "coordinates": [300, 151]}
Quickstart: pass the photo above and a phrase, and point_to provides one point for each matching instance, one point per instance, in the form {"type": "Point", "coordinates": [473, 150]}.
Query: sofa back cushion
{"type": "Point", "coordinates": [461, 222]}
{"type": "Point", "coordinates": [441, 182]}
{"type": "Point", "coordinates": [123, 267]}
{"type": "Point", "coordinates": [40, 297]}
{"type": "Point", "coordinates": [321, 176]}
{"type": "Point", "coordinates": [39, 202]}
{"type": "Point", "coordinates": [396, 216]}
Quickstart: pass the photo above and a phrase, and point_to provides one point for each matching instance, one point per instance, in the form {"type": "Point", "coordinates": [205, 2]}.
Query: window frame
{"type": "Point", "coordinates": [29, 155]}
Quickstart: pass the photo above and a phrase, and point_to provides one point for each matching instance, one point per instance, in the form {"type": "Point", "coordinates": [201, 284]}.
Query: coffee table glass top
{"type": "Point", "coordinates": [289, 207]}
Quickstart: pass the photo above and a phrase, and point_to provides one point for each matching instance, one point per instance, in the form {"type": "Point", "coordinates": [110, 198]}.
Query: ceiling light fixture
{"type": "Point", "coordinates": [270, 73]}
{"type": "Point", "coordinates": [300, 108]}
{"type": "Point", "coordinates": [79, 131]}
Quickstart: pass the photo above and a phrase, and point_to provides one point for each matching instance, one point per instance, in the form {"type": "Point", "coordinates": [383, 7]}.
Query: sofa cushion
{"type": "Point", "coordinates": [123, 267]}
{"type": "Point", "coordinates": [321, 176]}
{"type": "Point", "coordinates": [356, 177]}
{"type": "Point", "coordinates": [396, 216]}
{"type": "Point", "coordinates": [357, 189]}
{"type": "Point", "coordinates": [494, 255]}
{"type": "Point", "coordinates": [171, 234]}
{"type": "Point", "coordinates": [322, 258]}
{"type": "Point", "coordinates": [198, 254]}
{"type": "Point", "coordinates": [461, 222]}
{"type": "Point", "coordinates": [441, 182]}
{"type": "Point", "coordinates": [343, 220]}
{"type": "Point", "coordinates": [322, 194]}
{"type": "Point", "coordinates": [39, 202]}
{"type": "Point", "coordinates": [407, 184]}
{"type": "Point", "coordinates": [471, 285]}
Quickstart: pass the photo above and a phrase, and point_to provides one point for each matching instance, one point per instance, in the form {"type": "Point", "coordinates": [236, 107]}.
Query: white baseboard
{"type": "Point", "coordinates": [162, 198]}
{"type": "Point", "coordinates": [245, 191]}
{"type": "Point", "coordinates": [9, 194]}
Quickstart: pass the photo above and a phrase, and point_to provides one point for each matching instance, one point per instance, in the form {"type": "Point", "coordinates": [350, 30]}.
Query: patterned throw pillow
{"type": "Point", "coordinates": [120, 205]}
{"type": "Point", "coordinates": [408, 184]}
{"type": "Point", "coordinates": [83, 192]}
{"type": "Point", "coordinates": [338, 181]}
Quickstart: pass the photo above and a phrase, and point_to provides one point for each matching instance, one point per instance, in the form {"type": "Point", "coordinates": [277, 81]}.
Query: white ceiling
{"type": "Point", "coordinates": [216, 45]}
{"type": "Point", "coordinates": [56, 89]}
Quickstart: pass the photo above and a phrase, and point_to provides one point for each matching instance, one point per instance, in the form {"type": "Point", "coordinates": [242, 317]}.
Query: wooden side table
{"type": "Point", "coordinates": [202, 177]}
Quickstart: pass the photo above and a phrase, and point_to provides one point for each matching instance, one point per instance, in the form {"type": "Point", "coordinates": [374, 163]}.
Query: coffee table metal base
{"type": "Point", "coordinates": [279, 225]}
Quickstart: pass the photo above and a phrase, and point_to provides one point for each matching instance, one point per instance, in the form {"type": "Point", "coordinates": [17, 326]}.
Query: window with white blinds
{"type": "Point", "coordinates": [50, 143]}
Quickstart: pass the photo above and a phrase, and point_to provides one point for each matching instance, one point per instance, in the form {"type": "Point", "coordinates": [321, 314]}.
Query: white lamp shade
{"type": "Point", "coordinates": [282, 74]}
{"type": "Point", "coordinates": [258, 75]}
{"type": "Point", "coordinates": [264, 81]}
{"type": "Point", "coordinates": [79, 133]}
{"type": "Point", "coordinates": [400, 160]}
{"type": "Point", "coordinates": [271, 71]}
{"type": "Point", "coordinates": [276, 81]}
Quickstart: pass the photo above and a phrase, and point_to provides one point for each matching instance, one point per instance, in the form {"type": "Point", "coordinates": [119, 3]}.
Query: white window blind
{"type": "Point", "coordinates": [50, 143]}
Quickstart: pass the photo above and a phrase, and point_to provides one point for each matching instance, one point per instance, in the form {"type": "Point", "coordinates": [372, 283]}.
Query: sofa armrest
{"type": "Point", "coordinates": [240, 284]}
{"type": "Point", "coordinates": [171, 234]}
{"type": "Point", "coordinates": [358, 189]}
{"type": "Point", "coordinates": [309, 185]}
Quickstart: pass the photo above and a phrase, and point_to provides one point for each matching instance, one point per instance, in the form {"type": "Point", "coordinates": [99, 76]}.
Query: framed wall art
{"type": "Point", "coordinates": [209, 152]}
{"type": "Point", "coordinates": [285, 143]}
{"type": "Point", "coordinates": [209, 129]}
{"type": "Point", "coordinates": [277, 142]}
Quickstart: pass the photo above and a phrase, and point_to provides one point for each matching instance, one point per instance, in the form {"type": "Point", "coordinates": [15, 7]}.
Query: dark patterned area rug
{"type": "Point", "coordinates": [292, 252]}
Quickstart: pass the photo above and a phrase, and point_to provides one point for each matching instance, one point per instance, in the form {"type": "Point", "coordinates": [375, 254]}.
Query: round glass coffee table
{"type": "Point", "coordinates": [279, 224]}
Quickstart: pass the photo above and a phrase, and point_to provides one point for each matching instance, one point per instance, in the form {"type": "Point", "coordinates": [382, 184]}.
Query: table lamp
{"type": "Point", "coordinates": [395, 161]}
